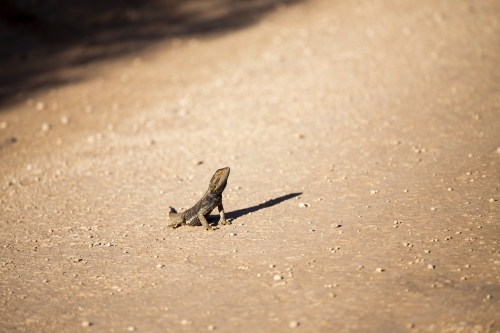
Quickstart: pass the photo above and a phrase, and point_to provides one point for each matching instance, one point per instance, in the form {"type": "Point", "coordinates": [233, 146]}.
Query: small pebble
{"type": "Point", "coordinates": [277, 277]}
{"type": "Point", "coordinates": [293, 324]}
{"type": "Point", "coordinates": [160, 266]}
{"type": "Point", "coordinates": [431, 266]}
{"type": "Point", "coordinates": [185, 322]}
{"type": "Point", "coordinates": [131, 328]}
{"type": "Point", "coordinates": [302, 205]}
{"type": "Point", "coordinates": [40, 106]}
{"type": "Point", "coordinates": [3, 125]}
{"type": "Point", "coordinates": [489, 297]}
{"type": "Point", "coordinates": [410, 325]}
{"type": "Point", "coordinates": [65, 120]}
{"type": "Point", "coordinates": [335, 225]}
{"type": "Point", "coordinates": [379, 270]}
{"type": "Point", "coordinates": [427, 251]}
{"type": "Point", "coordinates": [492, 200]}
{"type": "Point", "coordinates": [232, 234]}
{"type": "Point", "coordinates": [211, 327]}
{"type": "Point", "coordinates": [433, 208]}
{"type": "Point", "coordinates": [86, 323]}
{"type": "Point", "coordinates": [45, 127]}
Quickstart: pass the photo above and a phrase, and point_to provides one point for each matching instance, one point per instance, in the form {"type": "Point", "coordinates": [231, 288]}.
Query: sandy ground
{"type": "Point", "coordinates": [364, 190]}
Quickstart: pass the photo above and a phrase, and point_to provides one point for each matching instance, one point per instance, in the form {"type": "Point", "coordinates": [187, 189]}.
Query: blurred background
{"type": "Point", "coordinates": [38, 38]}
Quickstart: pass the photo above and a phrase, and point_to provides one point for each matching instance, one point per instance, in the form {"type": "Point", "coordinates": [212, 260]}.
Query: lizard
{"type": "Point", "coordinates": [197, 215]}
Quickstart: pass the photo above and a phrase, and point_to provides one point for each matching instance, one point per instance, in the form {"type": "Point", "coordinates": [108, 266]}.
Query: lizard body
{"type": "Point", "coordinates": [197, 215]}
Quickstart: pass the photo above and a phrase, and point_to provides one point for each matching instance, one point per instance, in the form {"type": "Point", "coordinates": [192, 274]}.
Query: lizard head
{"type": "Point", "coordinates": [219, 181]}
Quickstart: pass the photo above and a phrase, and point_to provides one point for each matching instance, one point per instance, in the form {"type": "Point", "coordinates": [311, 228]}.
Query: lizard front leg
{"type": "Point", "coordinates": [222, 219]}
{"type": "Point", "coordinates": [203, 220]}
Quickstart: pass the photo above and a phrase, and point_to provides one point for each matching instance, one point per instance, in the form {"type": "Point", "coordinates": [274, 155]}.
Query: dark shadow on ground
{"type": "Point", "coordinates": [240, 212]}
{"type": "Point", "coordinates": [38, 38]}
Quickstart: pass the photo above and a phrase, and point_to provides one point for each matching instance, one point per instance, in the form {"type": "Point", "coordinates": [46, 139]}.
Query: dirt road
{"type": "Point", "coordinates": [364, 192]}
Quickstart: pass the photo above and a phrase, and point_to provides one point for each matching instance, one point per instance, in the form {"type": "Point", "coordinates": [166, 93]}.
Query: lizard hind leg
{"type": "Point", "coordinates": [175, 218]}
{"type": "Point", "coordinates": [172, 215]}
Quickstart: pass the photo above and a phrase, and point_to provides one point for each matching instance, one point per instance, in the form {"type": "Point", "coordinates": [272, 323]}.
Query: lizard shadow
{"type": "Point", "coordinates": [232, 216]}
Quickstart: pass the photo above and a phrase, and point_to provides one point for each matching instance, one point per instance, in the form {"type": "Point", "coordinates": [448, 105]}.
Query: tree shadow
{"type": "Point", "coordinates": [240, 212]}
{"type": "Point", "coordinates": [39, 38]}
